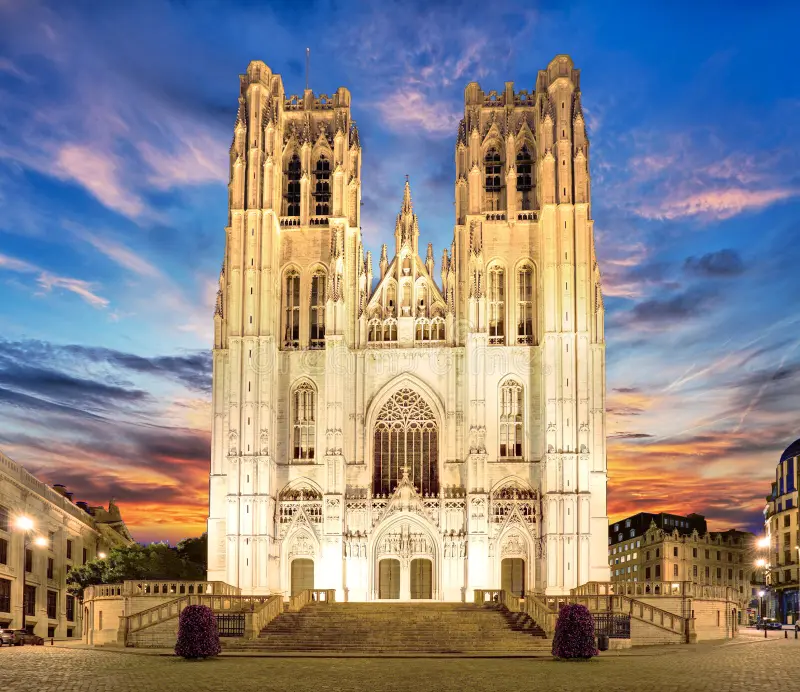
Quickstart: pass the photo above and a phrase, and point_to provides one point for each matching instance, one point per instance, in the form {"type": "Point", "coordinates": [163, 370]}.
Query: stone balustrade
{"type": "Point", "coordinates": [307, 596]}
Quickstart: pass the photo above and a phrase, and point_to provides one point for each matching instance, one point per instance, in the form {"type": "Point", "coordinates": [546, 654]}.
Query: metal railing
{"type": "Point", "coordinates": [613, 625]}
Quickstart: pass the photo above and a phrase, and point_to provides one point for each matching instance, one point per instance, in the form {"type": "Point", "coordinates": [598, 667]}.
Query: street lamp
{"type": "Point", "coordinates": [761, 604]}
{"type": "Point", "coordinates": [101, 555]}
{"type": "Point", "coordinates": [26, 525]}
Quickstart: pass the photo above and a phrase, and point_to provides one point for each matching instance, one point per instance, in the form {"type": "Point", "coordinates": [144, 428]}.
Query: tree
{"type": "Point", "coordinates": [574, 636]}
{"type": "Point", "coordinates": [154, 561]}
{"type": "Point", "coordinates": [195, 550]}
{"type": "Point", "coordinates": [197, 633]}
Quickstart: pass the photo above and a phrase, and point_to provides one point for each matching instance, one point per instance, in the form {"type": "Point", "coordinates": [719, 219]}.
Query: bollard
{"type": "Point", "coordinates": [51, 641]}
{"type": "Point", "coordinates": [765, 633]}
{"type": "Point", "coordinates": [795, 633]}
{"type": "Point", "coordinates": [785, 634]}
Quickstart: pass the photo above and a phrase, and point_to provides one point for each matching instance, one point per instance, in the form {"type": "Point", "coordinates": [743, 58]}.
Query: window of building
{"type": "Point", "coordinates": [708, 554]}
{"type": "Point", "coordinates": [70, 608]}
{"type": "Point", "coordinates": [3, 518]}
{"type": "Point", "coordinates": [291, 310]}
{"type": "Point", "coordinates": [28, 560]}
{"type": "Point", "coordinates": [322, 187]}
{"type": "Point", "coordinates": [50, 567]}
{"type": "Point", "coordinates": [719, 555]}
{"type": "Point", "coordinates": [636, 568]}
{"type": "Point", "coordinates": [789, 503]}
{"type": "Point", "coordinates": [627, 523]}
{"type": "Point", "coordinates": [29, 599]}
{"type": "Point", "coordinates": [493, 181]}
{"type": "Point", "coordinates": [730, 557]}
{"type": "Point", "coordinates": [525, 305]}
{"type": "Point", "coordinates": [633, 532]}
{"type": "Point", "coordinates": [741, 575]}
{"type": "Point", "coordinates": [638, 544]}
{"type": "Point", "coordinates": [405, 441]}
{"type": "Point", "coordinates": [3, 551]}
{"type": "Point", "coordinates": [511, 419]}
{"type": "Point", "coordinates": [658, 552]}
{"type": "Point", "coordinates": [647, 573]}
{"type": "Point", "coordinates": [303, 422]}
{"type": "Point", "coordinates": [52, 600]}
{"type": "Point", "coordinates": [69, 549]}
{"type": "Point", "coordinates": [5, 596]}
{"type": "Point", "coordinates": [708, 572]}
{"type": "Point", "coordinates": [694, 570]}
{"type": "Point", "coordinates": [694, 552]}
{"type": "Point", "coordinates": [317, 317]}
{"type": "Point", "coordinates": [730, 574]}
{"type": "Point", "coordinates": [674, 570]}
{"type": "Point", "coordinates": [525, 177]}
{"type": "Point", "coordinates": [647, 555]}
{"type": "Point", "coordinates": [675, 552]}
{"type": "Point", "coordinates": [719, 572]}
{"type": "Point", "coordinates": [787, 520]}
{"type": "Point", "coordinates": [496, 303]}
{"type": "Point", "coordinates": [51, 540]}
{"type": "Point", "coordinates": [658, 571]}
{"type": "Point", "coordinates": [85, 556]}
{"type": "Point", "coordinates": [293, 175]}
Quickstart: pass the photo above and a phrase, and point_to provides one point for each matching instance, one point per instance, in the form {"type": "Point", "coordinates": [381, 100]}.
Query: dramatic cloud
{"type": "Point", "coordinates": [722, 263]}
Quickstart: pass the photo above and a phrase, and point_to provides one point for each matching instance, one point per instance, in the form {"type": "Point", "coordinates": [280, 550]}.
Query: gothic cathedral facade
{"type": "Point", "coordinates": [392, 435]}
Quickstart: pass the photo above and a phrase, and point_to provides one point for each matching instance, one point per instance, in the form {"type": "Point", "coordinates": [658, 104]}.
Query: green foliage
{"type": "Point", "coordinates": [154, 561]}
{"type": "Point", "coordinates": [195, 550]}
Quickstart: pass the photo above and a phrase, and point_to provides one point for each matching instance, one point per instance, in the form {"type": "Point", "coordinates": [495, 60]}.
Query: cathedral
{"type": "Point", "coordinates": [394, 431]}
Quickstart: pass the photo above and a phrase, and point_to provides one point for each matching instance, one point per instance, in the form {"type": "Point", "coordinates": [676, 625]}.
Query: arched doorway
{"type": "Point", "coordinates": [512, 575]}
{"type": "Point", "coordinates": [421, 579]}
{"type": "Point", "coordinates": [389, 579]}
{"type": "Point", "coordinates": [302, 575]}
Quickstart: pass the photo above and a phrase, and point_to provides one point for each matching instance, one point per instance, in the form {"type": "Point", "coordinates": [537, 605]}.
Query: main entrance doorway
{"type": "Point", "coordinates": [421, 579]}
{"type": "Point", "coordinates": [302, 575]}
{"type": "Point", "coordinates": [389, 578]}
{"type": "Point", "coordinates": [512, 575]}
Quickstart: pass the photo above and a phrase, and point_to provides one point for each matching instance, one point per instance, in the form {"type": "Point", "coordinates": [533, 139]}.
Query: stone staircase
{"type": "Point", "coordinates": [400, 628]}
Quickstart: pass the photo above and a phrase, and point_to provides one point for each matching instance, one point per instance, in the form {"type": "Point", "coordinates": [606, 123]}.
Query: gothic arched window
{"type": "Point", "coordinates": [496, 304]}
{"type": "Point", "coordinates": [511, 419]}
{"type": "Point", "coordinates": [317, 310]}
{"type": "Point", "coordinates": [304, 416]}
{"type": "Point", "coordinates": [293, 173]}
{"type": "Point", "coordinates": [406, 440]}
{"type": "Point", "coordinates": [322, 186]}
{"type": "Point", "coordinates": [525, 176]}
{"type": "Point", "coordinates": [291, 310]}
{"type": "Point", "coordinates": [525, 305]}
{"type": "Point", "coordinates": [493, 169]}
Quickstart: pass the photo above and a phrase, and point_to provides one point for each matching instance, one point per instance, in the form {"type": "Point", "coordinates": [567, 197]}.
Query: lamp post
{"type": "Point", "coordinates": [26, 525]}
{"type": "Point", "coordinates": [760, 604]}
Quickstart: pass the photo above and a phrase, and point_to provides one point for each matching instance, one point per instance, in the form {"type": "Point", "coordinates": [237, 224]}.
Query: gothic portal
{"type": "Point", "coordinates": [391, 435]}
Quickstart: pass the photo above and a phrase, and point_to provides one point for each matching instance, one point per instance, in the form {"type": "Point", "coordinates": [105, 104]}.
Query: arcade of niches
{"type": "Point", "coordinates": [384, 434]}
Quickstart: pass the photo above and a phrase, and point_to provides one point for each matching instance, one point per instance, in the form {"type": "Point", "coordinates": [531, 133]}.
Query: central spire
{"type": "Point", "coordinates": [407, 206]}
{"type": "Point", "coordinates": [406, 229]}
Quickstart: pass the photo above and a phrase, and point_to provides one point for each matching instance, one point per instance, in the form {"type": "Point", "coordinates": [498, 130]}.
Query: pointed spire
{"type": "Point", "coordinates": [407, 206]}
{"type": "Point", "coordinates": [241, 114]}
{"type": "Point", "coordinates": [429, 263]}
{"type": "Point", "coordinates": [384, 263]}
{"type": "Point", "coordinates": [354, 142]}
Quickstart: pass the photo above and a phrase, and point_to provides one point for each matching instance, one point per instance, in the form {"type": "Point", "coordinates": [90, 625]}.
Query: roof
{"type": "Point", "coordinates": [792, 450]}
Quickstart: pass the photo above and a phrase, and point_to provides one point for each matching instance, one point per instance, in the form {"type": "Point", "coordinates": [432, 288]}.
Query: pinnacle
{"type": "Point", "coordinates": [407, 206]}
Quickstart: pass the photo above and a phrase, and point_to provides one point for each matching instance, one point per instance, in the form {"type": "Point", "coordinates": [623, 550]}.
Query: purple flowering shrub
{"type": "Point", "coordinates": [574, 637]}
{"type": "Point", "coordinates": [197, 633]}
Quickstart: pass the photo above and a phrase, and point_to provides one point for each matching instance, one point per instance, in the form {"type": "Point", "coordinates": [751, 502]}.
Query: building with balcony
{"type": "Point", "coordinates": [782, 528]}
{"type": "Point", "coordinates": [69, 534]}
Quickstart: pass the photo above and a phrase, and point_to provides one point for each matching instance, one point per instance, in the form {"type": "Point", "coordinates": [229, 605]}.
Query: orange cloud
{"type": "Point", "coordinates": [720, 204]}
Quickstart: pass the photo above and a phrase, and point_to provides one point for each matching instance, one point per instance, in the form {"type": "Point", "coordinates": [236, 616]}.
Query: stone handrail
{"type": "Point", "coordinates": [541, 614]}
{"type": "Point", "coordinates": [651, 614]}
{"type": "Point", "coordinates": [261, 616]}
{"type": "Point", "coordinates": [498, 596]}
{"type": "Point", "coordinates": [307, 596]}
{"type": "Point", "coordinates": [161, 587]}
{"type": "Point", "coordinates": [102, 591]}
{"type": "Point", "coordinates": [656, 588]}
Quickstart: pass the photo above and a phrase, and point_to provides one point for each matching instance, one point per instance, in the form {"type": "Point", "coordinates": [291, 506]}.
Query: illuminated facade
{"type": "Point", "coordinates": [383, 433]}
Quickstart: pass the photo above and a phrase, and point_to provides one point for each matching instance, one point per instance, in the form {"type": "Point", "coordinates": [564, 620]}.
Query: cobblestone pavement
{"type": "Point", "coordinates": [749, 663]}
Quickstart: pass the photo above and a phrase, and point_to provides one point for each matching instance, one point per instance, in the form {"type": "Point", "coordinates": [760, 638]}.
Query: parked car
{"type": "Point", "coordinates": [768, 624]}
{"type": "Point", "coordinates": [9, 637]}
{"type": "Point", "coordinates": [28, 638]}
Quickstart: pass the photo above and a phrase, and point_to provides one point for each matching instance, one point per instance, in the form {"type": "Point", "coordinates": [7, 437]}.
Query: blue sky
{"type": "Point", "coordinates": [116, 123]}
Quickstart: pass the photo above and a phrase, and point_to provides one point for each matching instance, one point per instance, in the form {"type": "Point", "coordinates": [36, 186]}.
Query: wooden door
{"type": "Point", "coordinates": [389, 579]}
{"type": "Point", "coordinates": [302, 575]}
{"type": "Point", "coordinates": [512, 575]}
{"type": "Point", "coordinates": [421, 579]}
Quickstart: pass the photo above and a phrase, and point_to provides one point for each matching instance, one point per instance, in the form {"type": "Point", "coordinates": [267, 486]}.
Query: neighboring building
{"type": "Point", "coordinates": [782, 527]}
{"type": "Point", "coordinates": [391, 436]}
{"type": "Point", "coordinates": [75, 533]}
{"type": "Point", "coordinates": [683, 553]}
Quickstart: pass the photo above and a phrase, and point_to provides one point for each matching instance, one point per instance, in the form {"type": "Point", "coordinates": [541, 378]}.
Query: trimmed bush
{"type": "Point", "coordinates": [197, 633]}
{"type": "Point", "coordinates": [574, 637]}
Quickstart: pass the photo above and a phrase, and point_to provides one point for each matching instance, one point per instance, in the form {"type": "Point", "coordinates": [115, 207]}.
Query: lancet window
{"type": "Point", "coordinates": [322, 186]}
{"type": "Point", "coordinates": [525, 177]}
{"type": "Point", "coordinates": [493, 169]}
{"type": "Point", "coordinates": [317, 310]}
{"type": "Point", "coordinates": [511, 419]}
{"type": "Point", "coordinates": [293, 174]}
{"type": "Point", "coordinates": [291, 310]}
{"type": "Point", "coordinates": [496, 304]}
{"type": "Point", "coordinates": [406, 440]}
{"type": "Point", "coordinates": [430, 330]}
{"type": "Point", "coordinates": [304, 401]}
{"type": "Point", "coordinates": [525, 305]}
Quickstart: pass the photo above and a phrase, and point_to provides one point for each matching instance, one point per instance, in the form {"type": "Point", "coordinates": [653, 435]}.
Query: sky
{"type": "Point", "coordinates": [115, 124]}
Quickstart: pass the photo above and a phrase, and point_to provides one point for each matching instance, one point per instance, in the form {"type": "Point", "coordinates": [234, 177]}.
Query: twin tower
{"type": "Point", "coordinates": [385, 432]}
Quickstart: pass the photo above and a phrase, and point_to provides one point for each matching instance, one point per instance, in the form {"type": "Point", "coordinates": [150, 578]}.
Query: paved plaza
{"type": "Point", "coordinates": [749, 663]}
